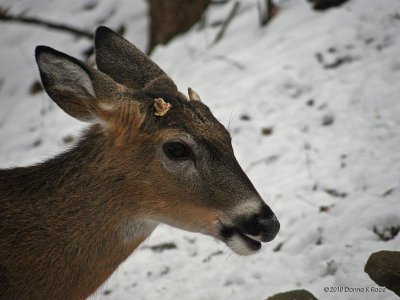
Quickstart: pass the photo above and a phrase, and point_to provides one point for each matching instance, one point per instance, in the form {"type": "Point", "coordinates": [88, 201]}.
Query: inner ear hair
{"type": "Point", "coordinates": [74, 86]}
{"type": "Point", "coordinates": [60, 70]}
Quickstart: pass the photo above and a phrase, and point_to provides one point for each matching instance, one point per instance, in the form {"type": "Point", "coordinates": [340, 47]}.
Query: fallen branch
{"type": "Point", "coordinates": [225, 24]}
{"type": "Point", "coordinates": [5, 17]}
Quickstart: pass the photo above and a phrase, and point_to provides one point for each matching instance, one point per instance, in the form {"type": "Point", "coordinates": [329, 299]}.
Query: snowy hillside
{"type": "Point", "coordinates": [312, 102]}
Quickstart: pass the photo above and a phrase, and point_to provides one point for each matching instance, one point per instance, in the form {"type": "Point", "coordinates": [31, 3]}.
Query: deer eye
{"type": "Point", "coordinates": [177, 150]}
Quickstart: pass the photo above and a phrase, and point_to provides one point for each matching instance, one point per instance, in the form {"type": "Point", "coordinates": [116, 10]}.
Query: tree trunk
{"type": "Point", "coordinates": [171, 17]}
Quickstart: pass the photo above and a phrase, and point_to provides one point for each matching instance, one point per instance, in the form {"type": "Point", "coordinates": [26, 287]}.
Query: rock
{"type": "Point", "coordinates": [245, 117]}
{"type": "Point", "coordinates": [325, 4]}
{"type": "Point", "coordinates": [36, 87]}
{"type": "Point", "coordinates": [384, 268]}
{"type": "Point", "coordinates": [293, 295]}
{"type": "Point", "coordinates": [328, 120]}
{"type": "Point", "coordinates": [267, 130]}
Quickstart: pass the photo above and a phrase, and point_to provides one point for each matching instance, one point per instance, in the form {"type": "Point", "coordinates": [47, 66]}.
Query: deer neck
{"type": "Point", "coordinates": [87, 182]}
{"type": "Point", "coordinates": [81, 235]}
{"type": "Point", "coordinates": [113, 232]}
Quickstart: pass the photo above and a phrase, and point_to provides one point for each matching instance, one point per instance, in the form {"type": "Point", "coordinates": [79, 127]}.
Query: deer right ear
{"type": "Point", "coordinates": [126, 64]}
{"type": "Point", "coordinates": [74, 86]}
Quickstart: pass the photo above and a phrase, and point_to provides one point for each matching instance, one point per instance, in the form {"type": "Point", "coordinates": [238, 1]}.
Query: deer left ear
{"type": "Point", "coordinates": [77, 88]}
{"type": "Point", "coordinates": [126, 64]}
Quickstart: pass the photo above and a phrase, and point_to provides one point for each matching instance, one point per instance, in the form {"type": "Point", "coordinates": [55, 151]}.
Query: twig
{"type": "Point", "coordinates": [218, 2]}
{"type": "Point", "coordinates": [306, 201]}
{"type": "Point", "coordinates": [227, 21]}
{"type": "Point", "coordinates": [266, 159]}
{"type": "Point", "coordinates": [5, 17]}
{"type": "Point", "coordinates": [307, 159]}
{"type": "Point", "coordinates": [266, 14]}
{"type": "Point", "coordinates": [255, 163]}
{"type": "Point", "coordinates": [230, 61]}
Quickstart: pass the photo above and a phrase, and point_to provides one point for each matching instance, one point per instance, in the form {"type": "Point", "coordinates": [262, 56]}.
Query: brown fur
{"type": "Point", "coordinates": [62, 221]}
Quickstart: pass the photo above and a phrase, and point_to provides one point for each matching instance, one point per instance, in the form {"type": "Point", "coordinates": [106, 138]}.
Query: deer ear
{"type": "Point", "coordinates": [76, 88]}
{"type": "Point", "coordinates": [126, 64]}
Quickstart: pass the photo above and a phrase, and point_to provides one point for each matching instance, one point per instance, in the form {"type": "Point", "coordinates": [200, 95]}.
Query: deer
{"type": "Point", "coordinates": [150, 155]}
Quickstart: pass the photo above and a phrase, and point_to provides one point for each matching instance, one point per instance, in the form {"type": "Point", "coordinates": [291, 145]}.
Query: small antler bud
{"type": "Point", "coordinates": [161, 107]}
{"type": "Point", "coordinates": [193, 96]}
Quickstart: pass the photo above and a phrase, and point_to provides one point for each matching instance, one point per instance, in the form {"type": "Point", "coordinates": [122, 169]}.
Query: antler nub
{"type": "Point", "coordinates": [161, 107]}
{"type": "Point", "coordinates": [193, 96]}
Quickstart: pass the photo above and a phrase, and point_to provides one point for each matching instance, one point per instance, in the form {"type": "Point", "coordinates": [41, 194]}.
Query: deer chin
{"type": "Point", "coordinates": [239, 242]}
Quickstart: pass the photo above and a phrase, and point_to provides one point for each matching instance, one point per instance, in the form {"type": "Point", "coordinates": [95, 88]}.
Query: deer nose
{"type": "Point", "coordinates": [263, 225]}
{"type": "Point", "coordinates": [269, 228]}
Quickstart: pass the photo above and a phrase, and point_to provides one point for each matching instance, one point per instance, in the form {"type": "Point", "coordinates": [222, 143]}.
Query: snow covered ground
{"type": "Point", "coordinates": [313, 104]}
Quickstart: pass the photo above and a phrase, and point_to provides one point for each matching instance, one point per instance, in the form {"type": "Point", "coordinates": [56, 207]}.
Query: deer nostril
{"type": "Point", "coordinates": [269, 228]}
{"type": "Point", "coordinates": [266, 223]}
{"type": "Point", "coordinates": [262, 225]}
{"type": "Point", "coordinates": [266, 228]}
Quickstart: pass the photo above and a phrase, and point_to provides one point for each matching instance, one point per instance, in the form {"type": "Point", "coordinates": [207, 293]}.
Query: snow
{"type": "Point", "coordinates": [325, 83]}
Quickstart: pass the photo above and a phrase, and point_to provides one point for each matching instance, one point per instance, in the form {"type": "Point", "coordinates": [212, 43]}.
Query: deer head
{"type": "Point", "coordinates": [168, 149]}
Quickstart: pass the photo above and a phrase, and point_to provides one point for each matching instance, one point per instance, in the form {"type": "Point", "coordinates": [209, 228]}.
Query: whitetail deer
{"type": "Point", "coordinates": [150, 156]}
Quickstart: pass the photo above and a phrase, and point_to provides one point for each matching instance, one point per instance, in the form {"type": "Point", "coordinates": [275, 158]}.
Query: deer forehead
{"type": "Point", "coordinates": [194, 119]}
{"type": "Point", "coordinates": [182, 119]}
{"type": "Point", "coordinates": [198, 120]}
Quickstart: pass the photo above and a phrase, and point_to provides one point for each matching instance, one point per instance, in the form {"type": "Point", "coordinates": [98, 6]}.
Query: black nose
{"type": "Point", "coordinates": [269, 228]}
{"type": "Point", "coordinates": [264, 225]}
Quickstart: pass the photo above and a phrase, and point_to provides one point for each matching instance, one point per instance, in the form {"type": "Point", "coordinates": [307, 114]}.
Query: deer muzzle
{"type": "Point", "coordinates": [245, 234]}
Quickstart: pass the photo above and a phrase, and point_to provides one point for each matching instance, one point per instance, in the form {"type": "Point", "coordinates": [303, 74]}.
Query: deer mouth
{"type": "Point", "coordinates": [239, 242]}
